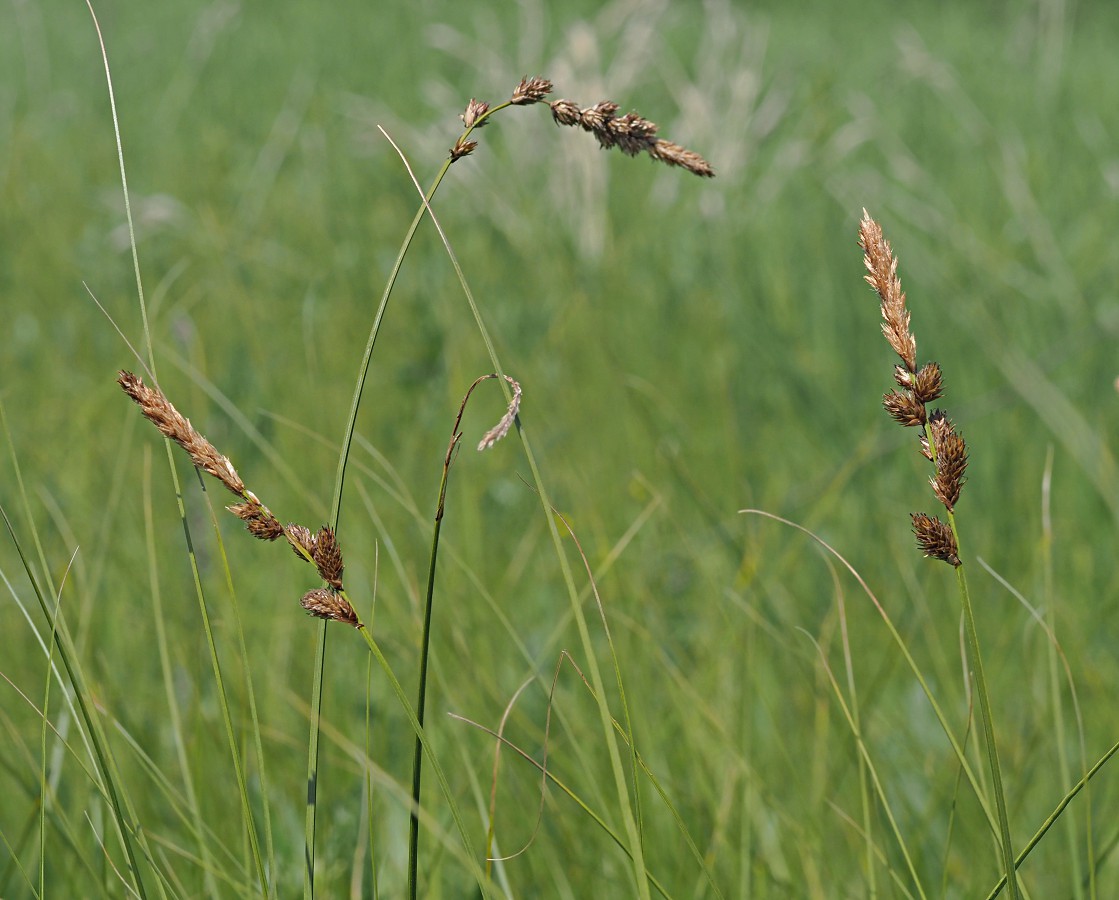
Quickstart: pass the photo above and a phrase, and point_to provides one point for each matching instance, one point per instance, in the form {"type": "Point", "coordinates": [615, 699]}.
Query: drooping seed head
{"type": "Point", "coordinates": [630, 133]}
{"type": "Point", "coordinates": [501, 429]}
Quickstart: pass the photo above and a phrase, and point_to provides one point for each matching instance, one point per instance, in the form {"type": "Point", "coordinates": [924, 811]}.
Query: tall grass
{"type": "Point", "coordinates": [687, 348]}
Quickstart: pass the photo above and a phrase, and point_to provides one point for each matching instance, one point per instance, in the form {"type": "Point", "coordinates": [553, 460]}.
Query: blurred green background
{"type": "Point", "coordinates": [687, 348]}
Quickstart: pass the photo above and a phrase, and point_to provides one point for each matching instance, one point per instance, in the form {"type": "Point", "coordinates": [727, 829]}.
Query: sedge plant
{"type": "Point", "coordinates": [943, 446]}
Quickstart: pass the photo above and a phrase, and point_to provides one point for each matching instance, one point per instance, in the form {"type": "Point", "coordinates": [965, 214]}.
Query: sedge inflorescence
{"type": "Point", "coordinates": [908, 403]}
{"type": "Point", "coordinates": [630, 133]}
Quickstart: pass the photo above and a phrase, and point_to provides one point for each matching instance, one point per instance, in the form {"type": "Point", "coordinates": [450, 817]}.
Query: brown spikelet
{"type": "Point", "coordinates": [174, 425]}
{"type": "Point", "coordinates": [475, 109]}
{"type": "Point", "coordinates": [951, 461]}
{"type": "Point", "coordinates": [935, 539]}
{"type": "Point", "coordinates": [882, 266]}
{"type": "Point", "coordinates": [325, 603]}
{"type": "Point", "coordinates": [928, 383]}
{"type": "Point", "coordinates": [301, 537]}
{"type": "Point", "coordinates": [462, 148]}
{"type": "Point", "coordinates": [630, 133]}
{"type": "Point", "coordinates": [904, 409]}
{"type": "Point", "coordinates": [531, 90]}
{"type": "Point", "coordinates": [675, 155]}
{"type": "Point", "coordinates": [565, 112]}
{"type": "Point", "coordinates": [328, 557]}
{"type": "Point", "coordinates": [258, 519]}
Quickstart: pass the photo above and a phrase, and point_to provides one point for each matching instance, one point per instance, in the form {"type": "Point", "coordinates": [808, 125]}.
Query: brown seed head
{"type": "Point", "coordinates": [935, 539]}
{"type": "Point", "coordinates": [630, 133]}
{"type": "Point", "coordinates": [881, 268]}
{"type": "Point", "coordinates": [328, 557]}
{"type": "Point", "coordinates": [565, 112]}
{"type": "Point", "coordinates": [258, 519]}
{"type": "Point", "coordinates": [475, 109]}
{"type": "Point", "coordinates": [301, 537]}
{"type": "Point", "coordinates": [174, 425]}
{"type": "Point", "coordinates": [675, 155]}
{"type": "Point", "coordinates": [928, 384]}
{"type": "Point", "coordinates": [531, 90]}
{"type": "Point", "coordinates": [904, 408]}
{"type": "Point", "coordinates": [951, 461]}
{"type": "Point", "coordinates": [325, 603]}
{"type": "Point", "coordinates": [462, 148]}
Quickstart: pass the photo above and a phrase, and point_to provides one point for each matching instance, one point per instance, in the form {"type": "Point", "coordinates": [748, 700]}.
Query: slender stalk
{"type": "Point", "coordinates": [987, 721]}
{"type": "Point", "coordinates": [631, 821]}
{"type": "Point", "coordinates": [421, 690]}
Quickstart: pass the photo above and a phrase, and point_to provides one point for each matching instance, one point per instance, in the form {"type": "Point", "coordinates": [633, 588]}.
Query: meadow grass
{"type": "Point", "coordinates": [687, 349]}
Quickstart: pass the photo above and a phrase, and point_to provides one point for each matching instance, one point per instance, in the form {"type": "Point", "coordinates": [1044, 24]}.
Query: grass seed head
{"type": "Point", "coordinates": [882, 267]}
{"type": "Point", "coordinates": [325, 603]}
{"type": "Point", "coordinates": [631, 133]}
{"type": "Point", "coordinates": [935, 539]}
{"type": "Point", "coordinates": [258, 519]}
{"type": "Point", "coordinates": [531, 90]}
{"type": "Point", "coordinates": [904, 408]}
{"type": "Point", "coordinates": [951, 460]}
{"type": "Point", "coordinates": [928, 383]}
{"type": "Point", "coordinates": [174, 425]}
{"type": "Point", "coordinates": [475, 109]}
{"type": "Point", "coordinates": [328, 557]}
{"type": "Point", "coordinates": [301, 539]}
{"type": "Point", "coordinates": [462, 148]}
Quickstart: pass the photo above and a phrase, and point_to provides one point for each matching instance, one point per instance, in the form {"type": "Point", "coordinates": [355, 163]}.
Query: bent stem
{"type": "Point", "coordinates": [425, 643]}
{"type": "Point", "coordinates": [309, 824]}
{"type": "Point", "coordinates": [626, 802]}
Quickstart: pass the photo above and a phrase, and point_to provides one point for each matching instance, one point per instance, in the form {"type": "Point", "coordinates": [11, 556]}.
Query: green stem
{"type": "Point", "coordinates": [421, 693]}
{"type": "Point", "coordinates": [987, 721]}
{"type": "Point", "coordinates": [335, 516]}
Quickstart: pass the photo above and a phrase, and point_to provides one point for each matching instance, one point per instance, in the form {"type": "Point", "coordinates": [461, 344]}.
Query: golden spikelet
{"type": "Point", "coordinates": [174, 425]}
